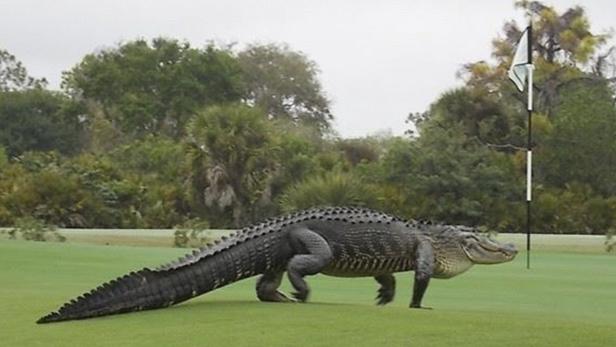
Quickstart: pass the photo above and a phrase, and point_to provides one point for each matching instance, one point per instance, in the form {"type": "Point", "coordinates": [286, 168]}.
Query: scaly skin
{"type": "Point", "coordinates": [336, 241]}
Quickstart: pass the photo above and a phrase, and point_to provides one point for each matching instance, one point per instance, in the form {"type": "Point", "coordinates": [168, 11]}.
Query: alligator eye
{"type": "Point", "coordinates": [470, 239]}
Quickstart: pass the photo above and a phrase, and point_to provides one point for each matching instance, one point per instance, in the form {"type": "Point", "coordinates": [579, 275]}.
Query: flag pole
{"type": "Point", "coordinates": [529, 154]}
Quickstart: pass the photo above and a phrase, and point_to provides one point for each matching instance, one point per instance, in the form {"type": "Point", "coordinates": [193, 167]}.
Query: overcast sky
{"type": "Point", "coordinates": [379, 60]}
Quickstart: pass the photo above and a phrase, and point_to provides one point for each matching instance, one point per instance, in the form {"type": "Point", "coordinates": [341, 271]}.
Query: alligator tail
{"type": "Point", "coordinates": [193, 275]}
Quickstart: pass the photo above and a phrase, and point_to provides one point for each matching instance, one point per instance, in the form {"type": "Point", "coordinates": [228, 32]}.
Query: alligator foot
{"type": "Point", "coordinates": [301, 296]}
{"type": "Point", "coordinates": [385, 296]}
{"type": "Point", "coordinates": [284, 297]}
{"type": "Point", "coordinates": [387, 291]}
{"type": "Point", "coordinates": [267, 288]}
{"type": "Point", "coordinates": [276, 296]}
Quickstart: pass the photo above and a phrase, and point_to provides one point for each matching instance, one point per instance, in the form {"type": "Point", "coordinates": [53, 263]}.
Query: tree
{"type": "Point", "coordinates": [565, 50]}
{"type": "Point", "coordinates": [467, 165]}
{"type": "Point", "coordinates": [14, 76]}
{"type": "Point", "coordinates": [359, 150]}
{"type": "Point", "coordinates": [284, 83]}
{"type": "Point", "coordinates": [582, 144]}
{"type": "Point", "coordinates": [154, 88]}
{"type": "Point", "coordinates": [154, 176]}
{"type": "Point", "coordinates": [297, 155]}
{"type": "Point", "coordinates": [33, 118]}
{"type": "Point", "coordinates": [39, 120]}
{"type": "Point", "coordinates": [237, 158]}
{"type": "Point", "coordinates": [450, 173]}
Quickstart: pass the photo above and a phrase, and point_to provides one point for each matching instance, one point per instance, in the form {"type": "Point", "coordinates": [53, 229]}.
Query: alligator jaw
{"type": "Point", "coordinates": [483, 250]}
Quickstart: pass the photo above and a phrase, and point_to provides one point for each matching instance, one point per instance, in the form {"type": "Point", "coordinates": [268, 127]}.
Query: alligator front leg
{"type": "Point", "coordinates": [424, 269]}
{"type": "Point", "coordinates": [312, 255]}
{"type": "Point", "coordinates": [387, 290]}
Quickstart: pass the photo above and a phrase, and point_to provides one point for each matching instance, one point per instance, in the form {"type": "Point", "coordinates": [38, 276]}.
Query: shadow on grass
{"type": "Point", "coordinates": [254, 303]}
{"type": "Point", "coordinates": [188, 308]}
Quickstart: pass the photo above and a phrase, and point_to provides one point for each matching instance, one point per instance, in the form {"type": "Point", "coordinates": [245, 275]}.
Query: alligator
{"type": "Point", "coordinates": [336, 241]}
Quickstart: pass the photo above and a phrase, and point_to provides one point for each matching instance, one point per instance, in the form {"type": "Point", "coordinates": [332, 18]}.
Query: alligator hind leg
{"type": "Point", "coordinates": [387, 290]}
{"type": "Point", "coordinates": [267, 288]}
{"type": "Point", "coordinates": [312, 255]}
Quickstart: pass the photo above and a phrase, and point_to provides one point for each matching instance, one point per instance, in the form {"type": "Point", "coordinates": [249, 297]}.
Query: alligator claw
{"type": "Point", "coordinates": [382, 302]}
{"type": "Point", "coordinates": [300, 296]}
{"type": "Point", "coordinates": [282, 297]}
{"type": "Point", "coordinates": [385, 296]}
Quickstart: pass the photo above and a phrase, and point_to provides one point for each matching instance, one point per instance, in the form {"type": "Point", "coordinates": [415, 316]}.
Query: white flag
{"type": "Point", "coordinates": [518, 72]}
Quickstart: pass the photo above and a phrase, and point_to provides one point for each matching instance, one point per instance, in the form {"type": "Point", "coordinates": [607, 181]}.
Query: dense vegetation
{"type": "Point", "coordinates": [158, 134]}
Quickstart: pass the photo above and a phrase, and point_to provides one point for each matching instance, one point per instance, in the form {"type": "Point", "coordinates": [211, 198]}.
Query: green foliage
{"type": "Point", "coordinates": [331, 189]}
{"type": "Point", "coordinates": [610, 241]}
{"type": "Point", "coordinates": [583, 137]}
{"type": "Point", "coordinates": [562, 37]}
{"type": "Point", "coordinates": [356, 151]}
{"type": "Point", "coordinates": [14, 76]}
{"type": "Point", "coordinates": [51, 195]}
{"type": "Point", "coordinates": [564, 49]}
{"type": "Point", "coordinates": [154, 171]}
{"type": "Point", "coordinates": [455, 171]}
{"type": "Point", "coordinates": [155, 87]}
{"type": "Point", "coordinates": [284, 84]}
{"type": "Point", "coordinates": [190, 234]}
{"type": "Point", "coordinates": [573, 210]}
{"type": "Point", "coordinates": [296, 154]}
{"type": "Point", "coordinates": [4, 160]}
{"type": "Point", "coordinates": [32, 229]}
{"type": "Point", "coordinates": [101, 134]}
{"type": "Point", "coordinates": [479, 116]}
{"type": "Point", "coordinates": [133, 196]}
{"type": "Point", "coordinates": [238, 158]}
{"type": "Point", "coordinates": [467, 167]}
{"type": "Point", "coordinates": [153, 155]}
{"type": "Point", "coordinates": [88, 191]}
{"type": "Point", "coordinates": [38, 120]}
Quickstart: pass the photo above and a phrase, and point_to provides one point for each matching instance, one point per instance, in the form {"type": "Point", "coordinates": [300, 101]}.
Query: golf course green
{"type": "Point", "coordinates": [567, 298]}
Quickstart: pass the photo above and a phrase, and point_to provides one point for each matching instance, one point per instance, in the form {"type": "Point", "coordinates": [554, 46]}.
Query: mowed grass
{"type": "Point", "coordinates": [566, 299]}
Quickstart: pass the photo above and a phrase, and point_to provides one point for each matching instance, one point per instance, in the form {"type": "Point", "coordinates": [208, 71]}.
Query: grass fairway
{"type": "Point", "coordinates": [566, 299]}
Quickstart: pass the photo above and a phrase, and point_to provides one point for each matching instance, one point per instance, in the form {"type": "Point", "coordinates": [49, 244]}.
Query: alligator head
{"type": "Point", "coordinates": [459, 248]}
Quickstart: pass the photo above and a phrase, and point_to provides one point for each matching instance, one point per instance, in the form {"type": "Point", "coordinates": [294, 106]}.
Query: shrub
{"type": "Point", "coordinates": [574, 209]}
{"type": "Point", "coordinates": [333, 189]}
{"type": "Point", "coordinates": [610, 241]}
{"type": "Point", "coordinates": [190, 234]}
{"type": "Point", "coordinates": [4, 158]}
{"type": "Point", "coordinates": [32, 229]}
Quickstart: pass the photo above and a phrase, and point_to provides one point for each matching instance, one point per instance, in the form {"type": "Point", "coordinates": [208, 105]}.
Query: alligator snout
{"type": "Point", "coordinates": [510, 248]}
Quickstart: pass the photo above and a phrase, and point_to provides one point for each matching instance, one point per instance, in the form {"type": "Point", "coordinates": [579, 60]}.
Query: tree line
{"type": "Point", "coordinates": [158, 134]}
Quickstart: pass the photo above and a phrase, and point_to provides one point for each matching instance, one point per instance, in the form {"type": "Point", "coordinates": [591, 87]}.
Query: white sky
{"type": "Point", "coordinates": [379, 60]}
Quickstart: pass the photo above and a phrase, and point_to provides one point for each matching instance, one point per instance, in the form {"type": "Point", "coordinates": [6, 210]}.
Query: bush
{"type": "Point", "coordinates": [190, 234]}
{"type": "Point", "coordinates": [4, 158]}
{"type": "Point", "coordinates": [32, 229]}
{"type": "Point", "coordinates": [610, 241]}
{"type": "Point", "coordinates": [51, 195]}
{"type": "Point", "coordinates": [573, 210]}
{"type": "Point", "coordinates": [333, 189]}
{"type": "Point", "coordinates": [356, 151]}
